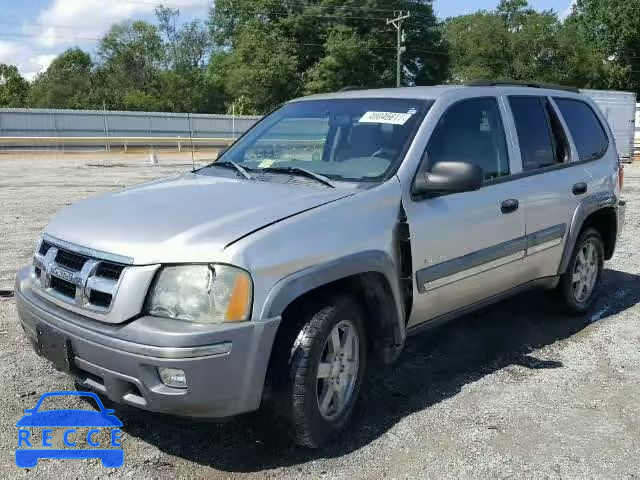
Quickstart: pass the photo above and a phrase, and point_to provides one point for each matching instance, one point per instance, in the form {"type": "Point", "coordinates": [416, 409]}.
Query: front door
{"type": "Point", "coordinates": [467, 246]}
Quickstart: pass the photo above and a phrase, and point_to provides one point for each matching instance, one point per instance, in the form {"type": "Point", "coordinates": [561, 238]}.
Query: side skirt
{"type": "Point", "coordinates": [545, 283]}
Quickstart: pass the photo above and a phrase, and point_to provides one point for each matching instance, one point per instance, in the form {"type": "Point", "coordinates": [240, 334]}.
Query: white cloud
{"type": "Point", "coordinates": [25, 57]}
{"type": "Point", "coordinates": [89, 19]}
{"type": "Point", "coordinates": [68, 23]}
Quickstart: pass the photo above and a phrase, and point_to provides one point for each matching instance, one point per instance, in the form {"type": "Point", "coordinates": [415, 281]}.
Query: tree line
{"type": "Point", "coordinates": [249, 56]}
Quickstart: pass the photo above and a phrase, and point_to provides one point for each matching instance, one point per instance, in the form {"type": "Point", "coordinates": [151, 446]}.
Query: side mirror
{"type": "Point", "coordinates": [449, 177]}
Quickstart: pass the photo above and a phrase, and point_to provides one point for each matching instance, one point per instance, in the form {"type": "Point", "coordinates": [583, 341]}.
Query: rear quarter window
{"type": "Point", "coordinates": [588, 133]}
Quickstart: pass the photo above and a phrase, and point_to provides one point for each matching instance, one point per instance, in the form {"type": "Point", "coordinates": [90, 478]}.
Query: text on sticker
{"type": "Point", "coordinates": [392, 118]}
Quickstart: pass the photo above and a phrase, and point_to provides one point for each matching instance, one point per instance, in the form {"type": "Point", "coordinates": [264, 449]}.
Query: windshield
{"type": "Point", "coordinates": [343, 139]}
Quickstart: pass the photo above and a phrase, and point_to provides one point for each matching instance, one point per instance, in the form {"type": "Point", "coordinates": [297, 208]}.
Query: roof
{"type": "Point", "coordinates": [431, 93]}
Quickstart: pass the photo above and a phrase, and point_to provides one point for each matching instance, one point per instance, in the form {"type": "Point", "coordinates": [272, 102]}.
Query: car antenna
{"type": "Point", "coordinates": [193, 159]}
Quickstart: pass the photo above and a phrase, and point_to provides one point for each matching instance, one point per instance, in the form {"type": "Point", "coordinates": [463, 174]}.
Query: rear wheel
{"type": "Point", "coordinates": [581, 282]}
{"type": "Point", "coordinates": [326, 368]}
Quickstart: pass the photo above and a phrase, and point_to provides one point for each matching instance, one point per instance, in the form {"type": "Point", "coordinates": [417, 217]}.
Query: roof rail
{"type": "Point", "coordinates": [516, 83]}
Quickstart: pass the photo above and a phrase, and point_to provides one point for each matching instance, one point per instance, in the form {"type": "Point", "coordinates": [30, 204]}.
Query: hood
{"type": "Point", "coordinates": [187, 218]}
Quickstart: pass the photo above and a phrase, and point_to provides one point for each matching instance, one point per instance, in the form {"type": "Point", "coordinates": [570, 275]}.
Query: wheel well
{"type": "Point", "coordinates": [605, 221]}
{"type": "Point", "coordinates": [370, 289]}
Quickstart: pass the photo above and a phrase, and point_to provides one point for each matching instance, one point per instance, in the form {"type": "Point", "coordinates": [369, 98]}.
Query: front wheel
{"type": "Point", "coordinates": [326, 369]}
{"type": "Point", "coordinates": [581, 282]}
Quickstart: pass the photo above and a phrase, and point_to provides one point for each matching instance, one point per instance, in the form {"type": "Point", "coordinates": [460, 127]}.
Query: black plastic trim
{"type": "Point", "coordinates": [540, 171]}
{"type": "Point", "coordinates": [546, 235]}
{"type": "Point", "coordinates": [518, 83]}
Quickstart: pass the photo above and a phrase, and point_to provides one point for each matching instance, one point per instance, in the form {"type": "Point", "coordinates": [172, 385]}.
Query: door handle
{"type": "Point", "coordinates": [580, 188]}
{"type": "Point", "coordinates": [509, 206]}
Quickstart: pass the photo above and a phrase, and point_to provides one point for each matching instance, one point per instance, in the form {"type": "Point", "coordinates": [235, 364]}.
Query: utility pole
{"type": "Point", "coordinates": [397, 22]}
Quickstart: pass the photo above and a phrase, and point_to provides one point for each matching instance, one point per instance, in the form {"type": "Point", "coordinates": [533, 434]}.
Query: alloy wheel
{"type": "Point", "coordinates": [338, 369]}
{"type": "Point", "coordinates": [585, 272]}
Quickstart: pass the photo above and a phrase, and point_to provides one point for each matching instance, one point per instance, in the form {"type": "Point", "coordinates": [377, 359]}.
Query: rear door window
{"type": "Point", "coordinates": [534, 133]}
{"type": "Point", "coordinates": [588, 134]}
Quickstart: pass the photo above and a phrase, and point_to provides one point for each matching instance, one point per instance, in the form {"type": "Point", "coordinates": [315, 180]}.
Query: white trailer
{"type": "Point", "coordinates": [620, 110]}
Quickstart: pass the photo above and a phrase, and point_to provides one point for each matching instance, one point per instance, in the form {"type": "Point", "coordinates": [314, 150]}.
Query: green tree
{"type": "Point", "coordinates": [349, 60]}
{"type": "Point", "coordinates": [262, 69]}
{"type": "Point", "coordinates": [581, 62]}
{"type": "Point", "coordinates": [187, 47]}
{"type": "Point", "coordinates": [13, 88]}
{"type": "Point", "coordinates": [184, 83]}
{"type": "Point", "coordinates": [67, 83]}
{"type": "Point", "coordinates": [612, 25]}
{"type": "Point", "coordinates": [519, 43]}
{"type": "Point", "coordinates": [130, 60]}
{"type": "Point", "coordinates": [332, 44]}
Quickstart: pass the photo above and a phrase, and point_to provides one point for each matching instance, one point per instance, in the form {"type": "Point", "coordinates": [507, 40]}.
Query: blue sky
{"type": "Point", "coordinates": [448, 8]}
{"type": "Point", "coordinates": [34, 32]}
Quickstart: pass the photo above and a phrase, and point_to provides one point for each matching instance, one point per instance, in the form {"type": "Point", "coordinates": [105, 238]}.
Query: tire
{"type": "Point", "coordinates": [578, 301]}
{"type": "Point", "coordinates": [311, 423]}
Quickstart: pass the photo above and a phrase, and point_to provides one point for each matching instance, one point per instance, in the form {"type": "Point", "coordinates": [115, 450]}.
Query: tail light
{"type": "Point", "coordinates": [621, 176]}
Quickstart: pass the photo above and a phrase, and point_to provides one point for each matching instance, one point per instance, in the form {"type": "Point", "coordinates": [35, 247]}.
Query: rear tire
{"type": "Point", "coordinates": [580, 284]}
{"type": "Point", "coordinates": [326, 368]}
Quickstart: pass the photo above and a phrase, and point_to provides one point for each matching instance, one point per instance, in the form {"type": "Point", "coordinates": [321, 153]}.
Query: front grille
{"type": "Point", "coordinates": [63, 287]}
{"type": "Point", "coordinates": [100, 299]}
{"type": "Point", "coordinates": [44, 248]}
{"type": "Point", "coordinates": [79, 279]}
{"type": "Point", "coordinates": [109, 270]}
{"type": "Point", "coordinates": [70, 260]}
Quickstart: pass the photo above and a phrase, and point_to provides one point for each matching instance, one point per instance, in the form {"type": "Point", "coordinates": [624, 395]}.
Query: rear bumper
{"type": "Point", "coordinates": [225, 365]}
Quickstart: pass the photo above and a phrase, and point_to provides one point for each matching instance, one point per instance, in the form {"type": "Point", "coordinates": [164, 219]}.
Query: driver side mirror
{"type": "Point", "coordinates": [449, 177]}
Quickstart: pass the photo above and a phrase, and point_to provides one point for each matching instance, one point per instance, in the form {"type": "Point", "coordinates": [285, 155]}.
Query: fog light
{"type": "Point", "coordinates": [172, 377]}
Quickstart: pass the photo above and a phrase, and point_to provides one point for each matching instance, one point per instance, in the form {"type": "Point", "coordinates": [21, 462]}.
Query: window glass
{"type": "Point", "coordinates": [534, 136]}
{"type": "Point", "coordinates": [586, 130]}
{"type": "Point", "coordinates": [293, 138]}
{"type": "Point", "coordinates": [358, 139]}
{"type": "Point", "coordinates": [471, 131]}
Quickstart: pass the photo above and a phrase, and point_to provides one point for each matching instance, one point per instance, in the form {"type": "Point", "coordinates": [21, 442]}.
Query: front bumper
{"type": "Point", "coordinates": [225, 365]}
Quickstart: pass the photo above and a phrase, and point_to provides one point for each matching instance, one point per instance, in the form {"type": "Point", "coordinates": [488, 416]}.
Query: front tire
{"type": "Point", "coordinates": [581, 282]}
{"type": "Point", "coordinates": [326, 369]}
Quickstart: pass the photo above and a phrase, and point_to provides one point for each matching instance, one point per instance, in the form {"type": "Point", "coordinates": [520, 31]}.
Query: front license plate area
{"type": "Point", "coordinates": [55, 347]}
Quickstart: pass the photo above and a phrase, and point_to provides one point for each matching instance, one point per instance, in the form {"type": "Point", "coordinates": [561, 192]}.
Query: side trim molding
{"type": "Point", "coordinates": [459, 268]}
{"type": "Point", "coordinates": [467, 262]}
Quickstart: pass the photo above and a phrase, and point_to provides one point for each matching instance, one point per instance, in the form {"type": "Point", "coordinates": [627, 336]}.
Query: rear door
{"type": "Point", "coordinates": [552, 190]}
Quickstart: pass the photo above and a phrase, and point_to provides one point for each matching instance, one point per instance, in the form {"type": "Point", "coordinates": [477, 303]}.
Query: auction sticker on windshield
{"type": "Point", "coordinates": [392, 118]}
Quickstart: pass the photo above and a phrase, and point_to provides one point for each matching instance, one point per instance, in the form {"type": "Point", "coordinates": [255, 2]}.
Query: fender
{"type": "Point", "coordinates": [299, 283]}
{"type": "Point", "coordinates": [586, 207]}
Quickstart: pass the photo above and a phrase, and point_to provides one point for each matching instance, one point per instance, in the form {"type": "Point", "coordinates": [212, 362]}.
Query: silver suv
{"type": "Point", "coordinates": [301, 259]}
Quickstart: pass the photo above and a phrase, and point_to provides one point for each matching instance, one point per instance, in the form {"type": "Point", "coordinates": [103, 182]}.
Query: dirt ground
{"type": "Point", "coordinates": [515, 390]}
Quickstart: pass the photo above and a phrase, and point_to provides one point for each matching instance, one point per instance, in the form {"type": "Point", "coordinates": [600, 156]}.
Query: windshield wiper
{"type": "Point", "coordinates": [302, 172]}
{"type": "Point", "coordinates": [229, 164]}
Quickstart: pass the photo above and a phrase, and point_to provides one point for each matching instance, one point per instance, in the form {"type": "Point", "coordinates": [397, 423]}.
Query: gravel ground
{"type": "Point", "coordinates": [515, 390]}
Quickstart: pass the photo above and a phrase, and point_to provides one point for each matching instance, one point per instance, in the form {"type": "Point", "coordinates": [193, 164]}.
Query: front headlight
{"type": "Point", "coordinates": [201, 294]}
